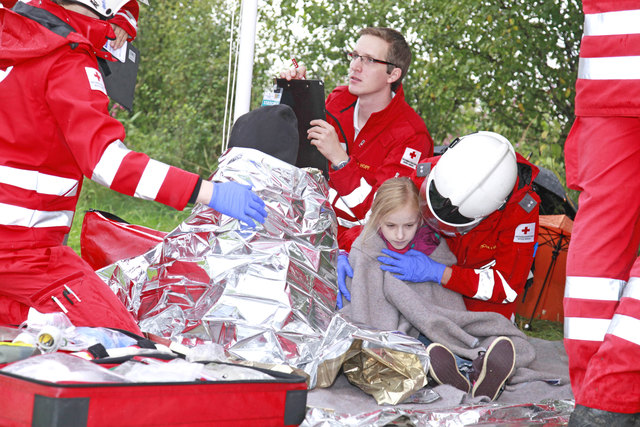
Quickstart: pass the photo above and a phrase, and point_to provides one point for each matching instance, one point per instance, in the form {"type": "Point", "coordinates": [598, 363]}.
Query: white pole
{"type": "Point", "coordinates": [245, 54]}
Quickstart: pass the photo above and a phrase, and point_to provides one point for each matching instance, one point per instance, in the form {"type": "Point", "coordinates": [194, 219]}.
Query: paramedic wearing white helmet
{"type": "Point", "coordinates": [55, 128]}
{"type": "Point", "coordinates": [479, 197]}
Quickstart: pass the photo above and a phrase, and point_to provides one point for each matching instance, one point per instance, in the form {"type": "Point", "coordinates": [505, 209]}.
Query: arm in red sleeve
{"type": "Point", "coordinates": [127, 18]}
{"type": "Point", "coordinates": [500, 273]}
{"type": "Point", "coordinates": [78, 100]}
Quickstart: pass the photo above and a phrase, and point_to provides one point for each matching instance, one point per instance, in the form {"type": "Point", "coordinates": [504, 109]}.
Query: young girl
{"type": "Point", "coordinates": [396, 216]}
{"type": "Point", "coordinates": [381, 301]}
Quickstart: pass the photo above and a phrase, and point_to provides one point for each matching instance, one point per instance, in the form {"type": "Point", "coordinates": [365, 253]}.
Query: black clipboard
{"type": "Point", "coordinates": [120, 77]}
{"type": "Point", "coordinates": [306, 98]}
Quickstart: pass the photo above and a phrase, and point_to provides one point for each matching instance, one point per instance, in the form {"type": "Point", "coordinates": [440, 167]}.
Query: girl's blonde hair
{"type": "Point", "coordinates": [392, 194]}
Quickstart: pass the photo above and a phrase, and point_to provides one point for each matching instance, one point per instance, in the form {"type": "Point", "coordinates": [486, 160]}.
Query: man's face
{"type": "Point", "coordinates": [369, 78]}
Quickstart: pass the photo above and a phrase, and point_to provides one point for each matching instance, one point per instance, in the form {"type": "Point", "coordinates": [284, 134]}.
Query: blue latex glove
{"type": "Point", "coordinates": [413, 266]}
{"type": "Point", "coordinates": [344, 270]}
{"type": "Point", "coordinates": [238, 201]}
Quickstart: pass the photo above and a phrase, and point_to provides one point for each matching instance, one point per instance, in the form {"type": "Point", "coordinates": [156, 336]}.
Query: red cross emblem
{"type": "Point", "coordinates": [526, 230]}
{"type": "Point", "coordinates": [97, 75]}
{"type": "Point", "coordinates": [412, 154]}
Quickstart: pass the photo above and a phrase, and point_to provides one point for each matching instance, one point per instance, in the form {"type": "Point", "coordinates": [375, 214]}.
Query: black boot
{"type": "Point", "coordinates": [583, 416]}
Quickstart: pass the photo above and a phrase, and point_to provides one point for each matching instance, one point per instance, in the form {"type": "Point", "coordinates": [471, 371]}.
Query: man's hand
{"type": "Point", "coordinates": [413, 266]}
{"type": "Point", "coordinates": [238, 201]}
{"type": "Point", "coordinates": [298, 73]}
{"type": "Point", "coordinates": [324, 137]}
{"type": "Point", "coordinates": [121, 37]}
{"type": "Point", "coordinates": [344, 270]}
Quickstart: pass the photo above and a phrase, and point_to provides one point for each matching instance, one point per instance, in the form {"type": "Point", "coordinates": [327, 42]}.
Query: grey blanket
{"type": "Point", "coordinates": [380, 300]}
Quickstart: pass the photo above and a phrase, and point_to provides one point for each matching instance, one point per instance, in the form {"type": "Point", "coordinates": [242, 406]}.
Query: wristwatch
{"type": "Point", "coordinates": [340, 165]}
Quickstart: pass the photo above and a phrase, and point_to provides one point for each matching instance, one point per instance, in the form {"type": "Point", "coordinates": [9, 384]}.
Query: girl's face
{"type": "Point", "coordinates": [400, 225]}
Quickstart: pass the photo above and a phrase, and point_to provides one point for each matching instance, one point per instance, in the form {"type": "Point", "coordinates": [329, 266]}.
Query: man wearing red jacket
{"type": "Point", "coordinates": [372, 134]}
{"type": "Point", "coordinates": [602, 158]}
{"type": "Point", "coordinates": [54, 129]}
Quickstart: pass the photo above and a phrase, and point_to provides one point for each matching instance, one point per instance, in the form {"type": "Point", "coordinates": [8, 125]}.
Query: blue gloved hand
{"type": "Point", "coordinates": [238, 201]}
{"type": "Point", "coordinates": [344, 270]}
{"type": "Point", "coordinates": [413, 266]}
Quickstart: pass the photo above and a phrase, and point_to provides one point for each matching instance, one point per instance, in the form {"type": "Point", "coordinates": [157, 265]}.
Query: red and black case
{"type": "Point", "coordinates": [28, 402]}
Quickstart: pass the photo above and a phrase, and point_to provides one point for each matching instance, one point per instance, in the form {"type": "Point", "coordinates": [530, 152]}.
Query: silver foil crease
{"type": "Point", "coordinates": [267, 294]}
{"type": "Point", "coordinates": [547, 413]}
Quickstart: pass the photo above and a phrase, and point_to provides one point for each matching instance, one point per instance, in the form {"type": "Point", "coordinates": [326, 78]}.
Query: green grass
{"type": "Point", "coordinates": [135, 211]}
{"type": "Point", "coordinates": [544, 329]}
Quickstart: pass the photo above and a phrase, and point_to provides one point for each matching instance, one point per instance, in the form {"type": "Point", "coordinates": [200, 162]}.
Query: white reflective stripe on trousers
{"type": "Point", "coordinates": [23, 217]}
{"type": "Point", "coordinates": [609, 68]}
{"type": "Point", "coordinates": [39, 182]}
{"type": "Point", "coordinates": [585, 329]}
{"type": "Point", "coordinates": [593, 288]}
{"type": "Point", "coordinates": [612, 23]}
{"type": "Point", "coordinates": [151, 180]}
{"type": "Point", "coordinates": [108, 165]}
{"type": "Point", "coordinates": [625, 327]}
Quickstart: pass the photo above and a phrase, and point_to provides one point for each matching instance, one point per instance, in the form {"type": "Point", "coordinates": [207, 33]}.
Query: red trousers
{"type": "Point", "coordinates": [602, 293]}
{"type": "Point", "coordinates": [39, 278]}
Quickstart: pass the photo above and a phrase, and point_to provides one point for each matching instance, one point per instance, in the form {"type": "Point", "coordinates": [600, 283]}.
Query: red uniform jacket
{"type": "Point", "coordinates": [390, 144]}
{"type": "Point", "coordinates": [608, 83]}
{"type": "Point", "coordinates": [495, 257]}
{"type": "Point", "coordinates": [55, 128]}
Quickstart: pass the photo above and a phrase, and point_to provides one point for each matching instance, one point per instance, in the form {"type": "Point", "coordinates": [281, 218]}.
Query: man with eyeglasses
{"type": "Point", "coordinates": [371, 134]}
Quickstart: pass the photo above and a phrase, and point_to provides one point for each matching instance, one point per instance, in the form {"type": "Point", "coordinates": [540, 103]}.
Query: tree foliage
{"type": "Point", "coordinates": [507, 66]}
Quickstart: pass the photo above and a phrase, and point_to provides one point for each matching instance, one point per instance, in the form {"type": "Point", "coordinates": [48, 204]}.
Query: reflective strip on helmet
{"type": "Point", "coordinates": [609, 68]}
{"type": "Point", "coordinates": [106, 169]}
{"type": "Point", "coordinates": [593, 288]}
{"type": "Point", "coordinates": [39, 182]}
{"type": "Point", "coordinates": [23, 217]}
{"type": "Point", "coordinates": [625, 327]}
{"type": "Point", "coordinates": [612, 23]}
{"type": "Point", "coordinates": [151, 180]}
{"type": "Point", "coordinates": [585, 329]}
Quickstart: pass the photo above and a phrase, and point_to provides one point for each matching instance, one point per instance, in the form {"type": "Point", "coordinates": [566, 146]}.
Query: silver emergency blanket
{"type": "Point", "coordinates": [267, 294]}
{"type": "Point", "coordinates": [552, 412]}
{"type": "Point", "coordinates": [265, 297]}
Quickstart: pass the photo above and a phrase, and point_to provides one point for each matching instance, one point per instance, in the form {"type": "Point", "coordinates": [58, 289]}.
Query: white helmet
{"type": "Point", "coordinates": [471, 180]}
{"type": "Point", "coordinates": [105, 8]}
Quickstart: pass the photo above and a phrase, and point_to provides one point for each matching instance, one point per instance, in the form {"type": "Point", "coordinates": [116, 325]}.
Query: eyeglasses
{"type": "Point", "coordinates": [367, 60]}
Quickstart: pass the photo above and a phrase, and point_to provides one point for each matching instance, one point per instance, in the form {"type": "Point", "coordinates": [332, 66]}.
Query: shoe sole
{"type": "Point", "coordinates": [447, 372]}
{"type": "Point", "coordinates": [497, 367]}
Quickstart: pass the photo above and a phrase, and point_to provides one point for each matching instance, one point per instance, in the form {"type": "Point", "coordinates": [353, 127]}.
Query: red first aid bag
{"type": "Point", "coordinates": [106, 238]}
{"type": "Point", "coordinates": [29, 402]}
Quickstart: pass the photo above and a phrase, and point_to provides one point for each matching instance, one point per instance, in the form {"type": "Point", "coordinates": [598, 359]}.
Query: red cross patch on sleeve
{"type": "Point", "coordinates": [410, 157]}
{"type": "Point", "coordinates": [525, 233]}
{"type": "Point", "coordinates": [95, 79]}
